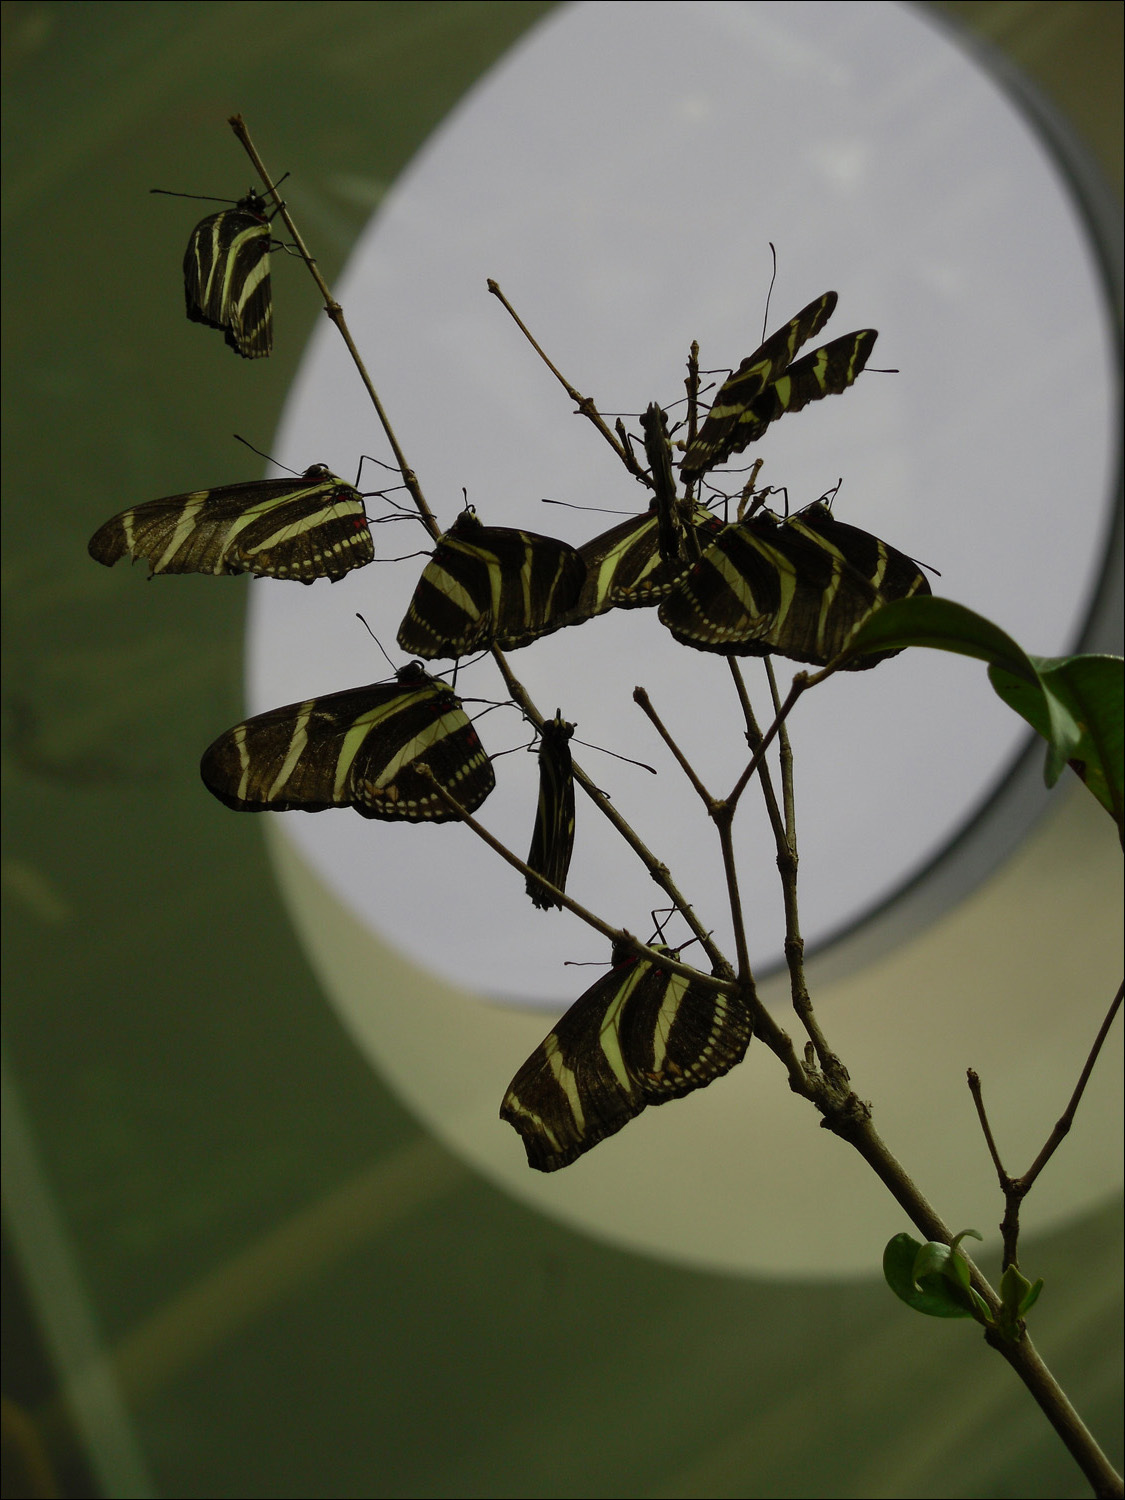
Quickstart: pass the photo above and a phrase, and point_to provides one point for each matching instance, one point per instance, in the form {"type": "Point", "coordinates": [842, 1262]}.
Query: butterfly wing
{"type": "Point", "coordinates": [490, 585]}
{"type": "Point", "coordinates": [827, 371]}
{"type": "Point", "coordinates": [890, 572]}
{"type": "Point", "coordinates": [361, 748]}
{"type": "Point", "coordinates": [641, 1035]}
{"type": "Point", "coordinates": [719, 435]}
{"type": "Point", "coordinates": [306, 528]}
{"type": "Point", "coordinates": [227, 276]}
{"type": "Point", "coordinates": [552, 840]}
{"type": "Point", "coordinates": [625, 568]}
{"type": "Point", "coordinates": [798, 588]}
{"type": "Point", "coordinates": [732, 594]}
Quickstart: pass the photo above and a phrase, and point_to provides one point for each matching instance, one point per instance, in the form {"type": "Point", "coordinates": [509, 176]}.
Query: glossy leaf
{"type": "Point", "coordinates": [1075, 703]}
{"type": "Point", "coordinates": [932, 1291]}
{"type": "Point", "coordinates": [1092, 689]}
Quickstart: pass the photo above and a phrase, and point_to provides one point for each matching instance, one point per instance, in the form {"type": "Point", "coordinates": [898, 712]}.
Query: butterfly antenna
{"type": "Point", "coordinates": [202, 197]}
{"type": "Point", "coordinates": [602, 510]}
{"type": "Point", "coordinates": [268, 458]}
{"type": "Point", "coordinates": [769, 294]}
{"type": "Point", "coordinates": [375, 638]}
{"type": "Point", "coordinates": [626, 758]}
{"type": "Point", "coordinates": [366, 458]}
{"type": "Point", "coordinates": [830, 495]}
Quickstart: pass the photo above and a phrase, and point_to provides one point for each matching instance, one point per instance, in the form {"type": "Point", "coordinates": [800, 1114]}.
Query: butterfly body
{"type": "Point", "coordinates": [361, 748]}
{"type": "Point", "coordinates": [490, 586]}
{"type": "Point", "coordinates": [303, 528]}
{"type": "Point", "coordinates": [641, 1035]}
{"type": "Point", "coordinates": [227, 276]}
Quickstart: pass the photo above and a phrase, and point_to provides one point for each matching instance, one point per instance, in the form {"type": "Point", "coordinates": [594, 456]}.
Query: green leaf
{"type": "Point", "coordinates": [931, 1292]}
{"type": "Point", "coordinates": [1031, 1299]}
{"type": "Point", "coordinates": [1017, 1297]}
{"type": "Point", "coordinates": [944, 625]}
{"type": "Point", "coordinates": [1092, 689]}
{"type": "Point", "coordinates": [1076, 703]}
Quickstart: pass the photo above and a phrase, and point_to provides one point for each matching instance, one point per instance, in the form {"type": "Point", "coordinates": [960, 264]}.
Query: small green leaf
{"type": "Point", "coordinates": [1017, 1296]}
{"type": "Point", "coordinates": [1031, 1299]}
{"type": "Point", "coordinates": [932, 1293]}
{"type": "Point", "coordinates": [932, 1259]}
{"type": "Point", "coordinates": [982, 1312]}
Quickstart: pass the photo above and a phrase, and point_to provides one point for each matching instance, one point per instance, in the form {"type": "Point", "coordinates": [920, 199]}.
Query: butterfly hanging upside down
{"type": "Point", "coordinates": [227, 276]}
{"type": "Point", "coordinates": [552, 841]}
{"type": "Point", "coordinates": [641, 1035]}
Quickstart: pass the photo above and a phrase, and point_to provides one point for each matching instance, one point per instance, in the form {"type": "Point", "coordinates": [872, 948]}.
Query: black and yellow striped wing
{"type": "Point", "coordinates": [361, 748]}
{"type": "Point", "coordinates": [625, 568]}
{"type": "Point", "coordinates": [642, 1035]}
{"type": "Point", "coordinates": [768, 383]}
{"type": "Point", "coordinates": [227, 276]}
{"type": "Point", "coordinates": [552, 841]}
{"type": "Point", "coordinates": [306, 528]}
{"type": "Point", "coordinates": [797, 588]}
{"type": "Point", "coordinates": [490, 586]}
{"type": "Point", "coordinates": [892, 574]}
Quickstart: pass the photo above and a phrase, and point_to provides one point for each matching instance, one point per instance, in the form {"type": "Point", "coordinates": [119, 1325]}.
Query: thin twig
{"type": "Point", "coordinates": [691, 384]}
{"type": "Point", "coordinates": [658, 871]}
{"type": "Point", "coordinates": [1066, 1119]}
{"type": "Point", "coordinates": [615, 934]}
{"type": "Point", "coordinates": [336, 313]}
{"type": "Point", "coordinates": [978, 1099]}
{"type": "Point", "coordinates": [585, 404]}
{"type": "Point", "coordinates": [641, 698]}
{"type": "Point", "coordinates": [1016, 1189]}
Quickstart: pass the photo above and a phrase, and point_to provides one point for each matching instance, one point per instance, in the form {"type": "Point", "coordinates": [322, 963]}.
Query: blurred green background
{"type": "Point", "coordinates": [233, 1263]}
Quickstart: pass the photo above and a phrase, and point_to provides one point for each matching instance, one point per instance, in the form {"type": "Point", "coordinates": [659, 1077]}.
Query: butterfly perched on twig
{"type": "Point", "coordinates": [798, 587]}
{"type": "Point", "coordinates": [310, 526]}
{"type": "Point", "coordinates": [636, 563]}
{"type": "Point", "coordinates": [490, 586]}
{"type": "Point", "coordinates": [362, 748]}
{"type": "Point", "coordinates": [641, 1035]}
{"type": "Point", "coordinates": [227, 274]}
{"type": "Point", "coordinates": [768, 383]}
{"type": "Point", "coordinates": [552, 841]}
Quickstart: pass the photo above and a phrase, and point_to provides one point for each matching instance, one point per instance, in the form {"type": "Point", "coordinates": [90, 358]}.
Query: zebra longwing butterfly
{"type": "Point", "coordinates": [641, 1035]}
{"type": "Point", "coordinates": [798, 588]}
{"type": "Point", "coordinates": [625, 568]}
{"type": "Point", "coordinates": [634, 564]}
{"type": "Point", "coordinates": [227, 276]}
{"type": "Point", "coordinates": [552, 841]}
{"type": "Point", "coordinates": [490, 585]}
{"type": "Point", "coordinates": [361, 748]}
{"type": "Point", "coordinates": [304, 528]}
{"type": "Point", "coordinates": [767, 384]}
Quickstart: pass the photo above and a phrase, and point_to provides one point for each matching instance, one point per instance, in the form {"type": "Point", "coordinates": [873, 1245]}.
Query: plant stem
{"type": "Point", "coordinates": [336, 313]}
